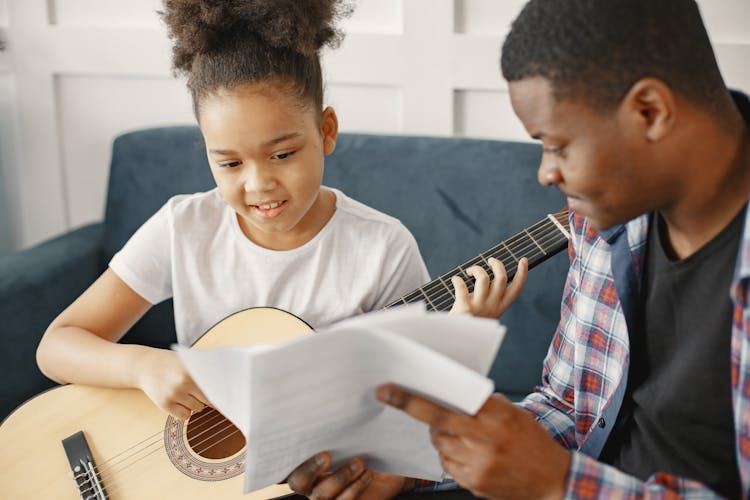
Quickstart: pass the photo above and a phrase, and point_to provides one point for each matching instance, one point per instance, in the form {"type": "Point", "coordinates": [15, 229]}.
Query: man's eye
{"type": "Point", "coordinates": [283, 156]}
{"type": "Point", "coordinates": [229, 164]}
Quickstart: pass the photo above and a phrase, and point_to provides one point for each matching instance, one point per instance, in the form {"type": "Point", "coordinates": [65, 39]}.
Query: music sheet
{"type": "Point", "coordinates": [315, 393]}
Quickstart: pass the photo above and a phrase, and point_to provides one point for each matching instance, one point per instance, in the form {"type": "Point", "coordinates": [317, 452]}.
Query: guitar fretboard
{"type": "Point", "coordinates": [537, 243]}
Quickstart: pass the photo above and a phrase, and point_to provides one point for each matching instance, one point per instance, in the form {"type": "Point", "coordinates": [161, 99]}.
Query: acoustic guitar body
{"type": "Point", "coordinates": [138, 450]}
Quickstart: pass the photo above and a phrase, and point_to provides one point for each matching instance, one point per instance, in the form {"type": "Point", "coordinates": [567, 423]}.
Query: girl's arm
{"type": "Point", "coordinates": [80, 346]}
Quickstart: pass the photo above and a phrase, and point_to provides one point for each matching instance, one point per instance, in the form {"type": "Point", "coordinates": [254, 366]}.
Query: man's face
{"type": "Point", "coordinates": [595, 159]}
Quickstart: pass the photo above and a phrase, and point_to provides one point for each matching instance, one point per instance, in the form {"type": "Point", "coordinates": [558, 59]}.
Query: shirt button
{"type": "Point", "coordinates": [601, 423]}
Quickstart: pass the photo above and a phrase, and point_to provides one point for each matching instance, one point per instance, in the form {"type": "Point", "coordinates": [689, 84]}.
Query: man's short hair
{"type": "Point", "coordinates": [597, 49]}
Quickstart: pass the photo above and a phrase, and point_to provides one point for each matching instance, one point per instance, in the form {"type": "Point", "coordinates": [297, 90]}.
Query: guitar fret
{"type": "Point", "coordinates": [535, 242]}
{"type": "Point", "coordinates": [464, 273]}
{"type": "Point", "coordinates": [446, 287]}
{"type": "Point", "coordinates": [510, 251]}
{"type": "Point", "coordinates": [428, 299]}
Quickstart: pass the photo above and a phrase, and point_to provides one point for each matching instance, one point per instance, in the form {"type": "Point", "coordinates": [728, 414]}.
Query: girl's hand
{"type": "Point", "coordinates": [162, 377]}
{"type": "Point", "coordinates": [489, 300]}
{"type": "Point", "coordinates": [315, 479]}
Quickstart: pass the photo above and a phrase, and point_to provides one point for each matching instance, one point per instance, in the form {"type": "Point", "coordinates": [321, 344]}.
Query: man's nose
{"type": "Point", "coordinates": [548, 173]}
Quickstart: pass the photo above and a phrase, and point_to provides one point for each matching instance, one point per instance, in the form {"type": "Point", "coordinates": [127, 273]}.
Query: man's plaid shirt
{"type": "Point", "coordinates": [585, 371]}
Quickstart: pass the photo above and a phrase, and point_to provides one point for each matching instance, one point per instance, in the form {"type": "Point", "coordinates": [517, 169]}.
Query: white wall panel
{"type": "Point", "coordinates": [3, 12]}
{"type": "Point", "coordinates": [726, 20]}
{"type": "Point", "coordinates": [734, 62]}
{"type": "Point", "coordinates": [92, 112]}
{"type": "Point", "coordinates": [476, 62]}
{"type": "Point", "coordinates": [364, 108]}
{"type": "Point", "coordinates": [105, 12]}
{"type": "Point", "coordinates": [375, 16]}
{"type": "Point", "coordinates": [77, 72]}
{"type": "Point", "coordinates": [486, 114]}
{"type": "Point", "coordinates": [486, 17]}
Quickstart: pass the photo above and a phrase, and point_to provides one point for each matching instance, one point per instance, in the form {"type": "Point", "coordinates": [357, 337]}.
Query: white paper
{"type": "Point", "coordinates": [294, 399]}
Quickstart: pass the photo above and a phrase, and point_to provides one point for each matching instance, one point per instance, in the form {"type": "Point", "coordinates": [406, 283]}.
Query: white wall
{"type": "Point", "coordinates": [78, 72]}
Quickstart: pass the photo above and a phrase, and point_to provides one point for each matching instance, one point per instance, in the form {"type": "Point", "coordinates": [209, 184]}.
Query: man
{"type": "Point", "coordinates": [646, 387]}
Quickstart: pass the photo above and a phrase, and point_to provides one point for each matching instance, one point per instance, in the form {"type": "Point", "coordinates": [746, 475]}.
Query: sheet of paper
{"type": "Point", "coordinates": [317, 392]}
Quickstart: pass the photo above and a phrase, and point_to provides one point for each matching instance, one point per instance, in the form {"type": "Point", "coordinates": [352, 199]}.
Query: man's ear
{"type": "Point", "coordinates": [329, 128]}
{"type": "Point", "coordinates": [650, 104]}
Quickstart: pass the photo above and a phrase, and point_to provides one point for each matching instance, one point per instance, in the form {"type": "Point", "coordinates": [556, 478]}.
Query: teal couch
{"type": "Point", "coordinates": [458, 196]}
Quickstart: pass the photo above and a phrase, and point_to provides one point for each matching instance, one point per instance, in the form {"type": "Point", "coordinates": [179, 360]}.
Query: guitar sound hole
{"type": "Point", "coordinates": [211, 435]}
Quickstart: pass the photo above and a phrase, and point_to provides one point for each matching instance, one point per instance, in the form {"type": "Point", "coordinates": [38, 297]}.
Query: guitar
{"type": "Point", "coordinates": [117, 444]}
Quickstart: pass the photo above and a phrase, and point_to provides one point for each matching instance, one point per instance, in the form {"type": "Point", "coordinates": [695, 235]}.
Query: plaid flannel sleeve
{"type": "Point", "coordinates": [552, 402]}
{"type": "Point", "coordinates": [589, 480]}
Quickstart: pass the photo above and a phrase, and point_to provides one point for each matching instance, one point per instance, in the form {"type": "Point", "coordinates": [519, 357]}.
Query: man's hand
{"type": "Point", "coordinates": [501, 452]}
{"type": "Point", "coordinates": [314, 479]}
{"type": "Point", "coordinates": [489, 299]}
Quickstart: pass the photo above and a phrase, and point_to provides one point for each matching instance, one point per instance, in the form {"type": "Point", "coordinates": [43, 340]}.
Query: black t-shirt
{"type": "Point", "coordinates": [677, 413]}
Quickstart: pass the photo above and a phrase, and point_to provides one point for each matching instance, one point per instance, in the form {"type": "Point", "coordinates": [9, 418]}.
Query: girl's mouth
{"type": "Point", "coordinates": [269, 210]}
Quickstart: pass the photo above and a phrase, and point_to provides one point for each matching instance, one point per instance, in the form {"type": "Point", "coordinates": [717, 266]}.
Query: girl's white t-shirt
{"type": "Point", "coordinates": [194, 251]}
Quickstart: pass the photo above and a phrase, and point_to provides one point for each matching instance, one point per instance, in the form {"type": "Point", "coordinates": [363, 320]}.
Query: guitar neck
{"type": "Point", "coordinates": [537, 243]}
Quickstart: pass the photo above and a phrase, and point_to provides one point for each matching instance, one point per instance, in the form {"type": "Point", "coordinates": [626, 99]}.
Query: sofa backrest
{"type": "Point", "coordinates": [458, 197]}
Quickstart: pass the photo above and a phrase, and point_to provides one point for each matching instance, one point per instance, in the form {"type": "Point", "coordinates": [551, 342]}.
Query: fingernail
{"type": "Point", "coordinates": [355, 466]}
{"type": "Point", "coordinates": [320, 460]}
{"type": "Point", "coordinates": [385, 394]}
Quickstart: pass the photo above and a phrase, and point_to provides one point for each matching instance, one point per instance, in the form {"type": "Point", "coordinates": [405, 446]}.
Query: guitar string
{"type": "Point", "coordinates": [529, 241]}
{"type": "Point", "coordinates": [444, 298]}
{"type": "Point", "coordinates": [157, 437]}
{"type": "Point", "coordinates": [529, 248]}
{"type": "Point", "coordinates": [109, 481]}
{"type": "Point", "coordinates": [197, 423]}
{"type": "Point", "coordinates": [445, 295]}
{"type": "Point", "coordinates": [107, 465]}
{"type": "Point", "coordinates": [497, 248]}
{"type": "Point", "coordinates": [105, 475]}
{"type": "Point", "coordinates": [542, 239]}
{"type": "Point", "coordinates": [441, 297]}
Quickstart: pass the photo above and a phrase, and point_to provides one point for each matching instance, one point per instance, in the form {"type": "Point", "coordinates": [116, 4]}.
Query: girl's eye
{"type": "Point", "coordinates": [229, 164]}
{"type": "Point", "coordinates": [283, 156]}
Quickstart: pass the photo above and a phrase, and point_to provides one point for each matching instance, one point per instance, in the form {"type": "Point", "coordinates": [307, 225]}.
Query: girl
{"type": "Point", "coordinates": [268, 234]}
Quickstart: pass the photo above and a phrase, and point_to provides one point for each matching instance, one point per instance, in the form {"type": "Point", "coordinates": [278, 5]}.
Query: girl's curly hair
{"type": "Point", "coordinates": [226, 43]}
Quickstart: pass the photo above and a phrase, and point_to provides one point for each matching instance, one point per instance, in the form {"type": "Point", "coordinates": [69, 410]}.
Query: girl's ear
{"type": "Point", "coordinates": [329, 129]}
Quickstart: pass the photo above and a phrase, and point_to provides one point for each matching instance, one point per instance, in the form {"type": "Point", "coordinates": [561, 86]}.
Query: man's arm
{"type": "Point", "coordinates": [502, 452]}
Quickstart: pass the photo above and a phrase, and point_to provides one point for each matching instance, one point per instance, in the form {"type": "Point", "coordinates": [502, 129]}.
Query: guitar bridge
{"type": "Point", "coordinates": [85, 473]}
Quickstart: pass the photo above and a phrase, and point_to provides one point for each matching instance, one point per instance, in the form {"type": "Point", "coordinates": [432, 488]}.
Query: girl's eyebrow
{"type": "Point", "coordinates": [272, 142]}
{"type": "Point", "coordinates": [281, 138]}
{"type": "Point", "coordinates": [221, 151]}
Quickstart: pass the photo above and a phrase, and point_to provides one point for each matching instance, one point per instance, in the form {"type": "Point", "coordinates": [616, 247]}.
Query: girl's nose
{"type": "Point", "coordinates": [258, 179]}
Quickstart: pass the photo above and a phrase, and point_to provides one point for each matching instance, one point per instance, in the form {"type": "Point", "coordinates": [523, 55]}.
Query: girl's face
{"type": "Point", "coordinates": [266, 149]}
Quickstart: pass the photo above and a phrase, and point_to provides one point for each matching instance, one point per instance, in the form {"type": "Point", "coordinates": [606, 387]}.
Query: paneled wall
{"type": "Point", "coordinates": [78, 72]}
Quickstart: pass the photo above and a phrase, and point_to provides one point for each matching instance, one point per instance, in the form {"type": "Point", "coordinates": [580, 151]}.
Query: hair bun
{"type": "Point", "coordinates": [203, 26]}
